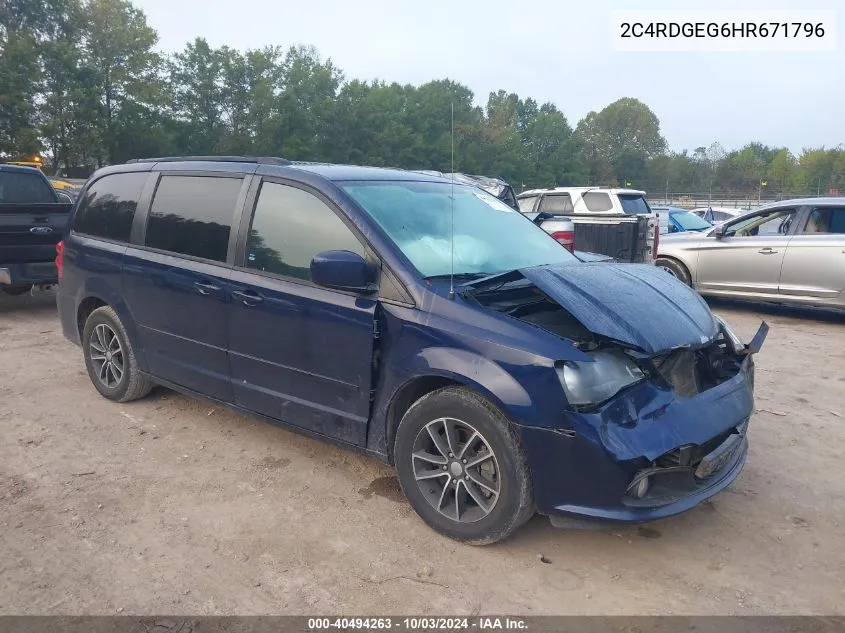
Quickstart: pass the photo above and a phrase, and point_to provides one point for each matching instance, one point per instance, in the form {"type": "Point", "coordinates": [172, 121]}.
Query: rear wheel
{"type": "Point", "coordinates": [674, 268]}
{"type": "Point", "coordinates": [462, 468]}
{"type": "Point", "coordinates": [110, 359]}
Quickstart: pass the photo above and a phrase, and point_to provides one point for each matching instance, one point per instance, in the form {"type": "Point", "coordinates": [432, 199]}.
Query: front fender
{"type": "Point", "coordinates": [452, 365]}
{"type": "Point", "coordinates": [473, 370]}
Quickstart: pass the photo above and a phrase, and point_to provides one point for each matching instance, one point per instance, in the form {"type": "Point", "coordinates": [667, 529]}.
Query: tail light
{"type": "Point", "coordinates": [565, 239]}
{"type": "Point", "coordinates": [60, 251]}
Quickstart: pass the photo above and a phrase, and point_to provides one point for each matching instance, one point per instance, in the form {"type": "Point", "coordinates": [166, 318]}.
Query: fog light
{"type": "Point", "coordinates": [639, 489]}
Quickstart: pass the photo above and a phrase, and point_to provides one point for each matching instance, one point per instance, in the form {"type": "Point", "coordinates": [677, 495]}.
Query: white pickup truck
{"type": "Point", "coordinates": [615, 222]}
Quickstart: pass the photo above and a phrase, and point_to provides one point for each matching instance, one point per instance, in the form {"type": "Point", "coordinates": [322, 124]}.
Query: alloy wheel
{"type": "Point", "coordinates": [456, 470]}
{"type": "Point", "coordinates": [106, 355]}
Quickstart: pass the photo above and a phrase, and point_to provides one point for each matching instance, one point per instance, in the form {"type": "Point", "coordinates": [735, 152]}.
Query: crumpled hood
{"type": "Point", "coordinates": [637, 304]}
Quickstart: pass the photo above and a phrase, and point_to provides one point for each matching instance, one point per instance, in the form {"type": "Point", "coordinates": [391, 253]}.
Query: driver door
{"type": "Point", "coordinates": [299, 352]}
{"type": "Point", "coordinates": [748, 259]}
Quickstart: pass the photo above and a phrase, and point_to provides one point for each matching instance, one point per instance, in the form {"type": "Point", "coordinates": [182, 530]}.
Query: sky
{"type": "Point", "coordinates": [549, 50]}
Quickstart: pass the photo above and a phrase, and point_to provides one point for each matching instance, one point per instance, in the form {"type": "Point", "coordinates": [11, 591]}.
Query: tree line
{"type": "Point", "coordinates": [82, 82]}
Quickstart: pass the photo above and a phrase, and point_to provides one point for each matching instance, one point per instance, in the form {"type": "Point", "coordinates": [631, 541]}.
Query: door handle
{"type": "Point", "coordinates": [206, 288]}
{"type": "Point", "coordinates": [247, 297]}
{"type": "Point", "coordinates": [767, 251]}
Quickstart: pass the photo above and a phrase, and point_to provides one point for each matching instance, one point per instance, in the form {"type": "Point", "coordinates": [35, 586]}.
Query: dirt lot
{"type": "Point", "coordinates": [169, 505]}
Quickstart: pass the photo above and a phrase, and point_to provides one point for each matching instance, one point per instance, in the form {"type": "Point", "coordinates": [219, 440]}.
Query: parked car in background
{"type": "Point", "coordinates": [614, 222]}
{"type": "Point", "coordinates": [680, 220]}
{"type": "Point", "coordinates": [61, 185]}
{"type": "Point", "coordinates": [787, 252]}
{"type": "Point", "coordinates": [717, 215]}
{"type": "Point", "coordinates": [422, 321]}
{"type": "Point", "coordinates": [33, 217]}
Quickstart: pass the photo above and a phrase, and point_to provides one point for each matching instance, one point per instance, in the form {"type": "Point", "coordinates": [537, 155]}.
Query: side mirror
{"type": "Point", "coordinates": [63, 197]}
{"type": "Point", "coordinates": [720, 231]}
{"type": "Point", "coordinates": [343, 270]}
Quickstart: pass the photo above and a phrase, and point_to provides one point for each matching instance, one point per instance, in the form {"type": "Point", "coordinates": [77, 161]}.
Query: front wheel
{"type": "Point", "coordinates": [462, 468]}
{"type": "Point", "coordinates": [674, 268]}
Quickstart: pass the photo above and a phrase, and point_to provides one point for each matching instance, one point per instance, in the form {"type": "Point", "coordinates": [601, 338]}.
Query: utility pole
{"type": "Point", "coordinates": [667, 191]}
{"type": "Point", "coordinates": [819, 188]}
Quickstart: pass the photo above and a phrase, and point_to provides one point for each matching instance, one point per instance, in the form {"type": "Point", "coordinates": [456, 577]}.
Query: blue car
{"type": "Point", "coordinates": [682, 220]}
{"type": "Point", "coordinates": [421, 321]}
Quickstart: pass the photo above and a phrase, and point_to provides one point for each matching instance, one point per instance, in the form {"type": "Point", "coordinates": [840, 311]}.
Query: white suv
{"type": "Point", "coordinates": [587, 200]}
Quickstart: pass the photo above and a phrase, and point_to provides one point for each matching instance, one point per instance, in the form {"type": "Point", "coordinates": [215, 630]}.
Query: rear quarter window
{"type": "Point", "coordinates": [633, 205]}
{"type": "Point", "coordinates": [597, 201]}
{"type": "Point", "coordinates": [20, 187]}
{"type": "Point", "coordinates": [108, 207]}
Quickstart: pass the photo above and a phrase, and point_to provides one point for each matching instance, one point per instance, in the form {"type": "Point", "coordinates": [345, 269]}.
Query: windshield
{"type": "Point", "coordinates": [489, 236]}
{"type": "Point", "coordinates": [633, 204]}
{"type": "Point", "coordinates": [691, 222]}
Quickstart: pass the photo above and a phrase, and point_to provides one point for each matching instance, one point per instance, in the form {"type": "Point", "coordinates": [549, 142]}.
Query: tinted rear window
{"type": "Point", "coordinates": [21, 187]}
{"type": "Point", "coordinates": [633, 205]}
{"type": "Point", "coordinates": [108, 208]}
{"type": "Point", "coordinates": [192, 215]}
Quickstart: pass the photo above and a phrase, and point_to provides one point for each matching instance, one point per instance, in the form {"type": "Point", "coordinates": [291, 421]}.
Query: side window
{"type": "Point", "coordinates": [109, 206]}
{"type": "Point", "coordinates": [763, 224]}
{"type": "Point", "coordinates": [597, 201]}
{"type": "Point", "coordinates": [289, 227]}
{"type": "Point", "coordinates": [556, 203]}
{"type": "Point", "coordinates": [826, 220]}
{"type": "Point", "coordinates": [22, 186]}
{"type": "Point", "coordinates": [526, 205]}
{"type": "Point", "coordinates": [192, 215]}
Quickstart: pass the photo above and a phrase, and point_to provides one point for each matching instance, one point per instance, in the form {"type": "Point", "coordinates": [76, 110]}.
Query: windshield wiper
{"type": "Point", "coordinates": [459, 276]}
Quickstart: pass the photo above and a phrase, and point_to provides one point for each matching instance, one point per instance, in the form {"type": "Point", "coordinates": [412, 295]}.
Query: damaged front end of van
{"type": "Point", "coordinates": [657, 407]}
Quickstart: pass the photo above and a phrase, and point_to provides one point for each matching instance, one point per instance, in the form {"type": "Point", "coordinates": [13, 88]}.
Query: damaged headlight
{"type": "Point", "coordinates": [588, 383]}
{"type": "Point", "coordinates": [737, 343]}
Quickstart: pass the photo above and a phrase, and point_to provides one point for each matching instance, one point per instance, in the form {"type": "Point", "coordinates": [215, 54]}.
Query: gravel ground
{"type": "Point", "coordinates": [173, 505]}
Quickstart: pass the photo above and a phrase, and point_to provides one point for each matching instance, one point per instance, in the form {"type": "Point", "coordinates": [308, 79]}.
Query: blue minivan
{"type": "Point", "coordinates": [420, 320]}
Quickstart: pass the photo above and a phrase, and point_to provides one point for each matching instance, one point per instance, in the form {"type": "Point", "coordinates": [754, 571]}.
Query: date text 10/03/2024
{"type": "Point", "coordinates": [419, 624]}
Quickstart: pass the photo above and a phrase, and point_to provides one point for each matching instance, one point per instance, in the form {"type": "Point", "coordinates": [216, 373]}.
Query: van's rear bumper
{"type": "Point", "coordinates": [28, 274]}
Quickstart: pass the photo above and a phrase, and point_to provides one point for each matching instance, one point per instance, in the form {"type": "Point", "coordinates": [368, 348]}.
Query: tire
{"type": "Point", "coordinates": [102, 329]}
{"type": "Point", "coordinates": [674, 268]}
{"type": "Point", "coordinates": [491, 520]}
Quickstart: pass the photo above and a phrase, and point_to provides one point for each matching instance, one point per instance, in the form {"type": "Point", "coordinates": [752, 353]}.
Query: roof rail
{"type": "Point", "coordinates": [261, 160]}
